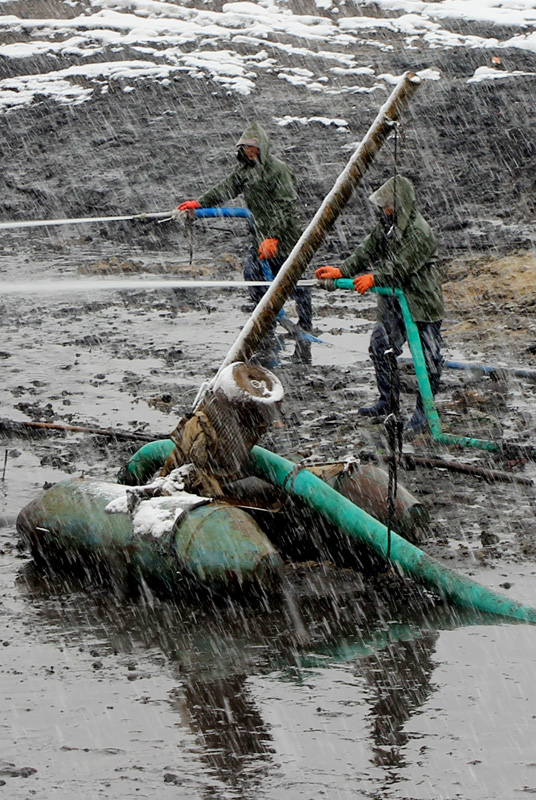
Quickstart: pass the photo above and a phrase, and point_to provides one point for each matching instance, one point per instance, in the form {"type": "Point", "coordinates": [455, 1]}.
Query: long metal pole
{"type": "Point", "coordinates": [46, 223]}
{"type": "Point", "coordinates": [324, 219]}
{"type": "Point", "coordinates": [83, 285]}
{"type": "Point", "coordinates": [161, 216]}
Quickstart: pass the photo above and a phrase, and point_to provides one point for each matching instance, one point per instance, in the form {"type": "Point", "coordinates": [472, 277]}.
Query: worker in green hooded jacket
{"type": "Point", "coordinates": [267, 185]}
{"type": "Point", "coordinates": [400, 252]}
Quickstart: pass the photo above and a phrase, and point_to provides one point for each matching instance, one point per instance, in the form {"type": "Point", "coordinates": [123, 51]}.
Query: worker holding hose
{"type": "Point", "coordinates": [268, 187]}
{"type": "Point", "coordinates": [400, 252]}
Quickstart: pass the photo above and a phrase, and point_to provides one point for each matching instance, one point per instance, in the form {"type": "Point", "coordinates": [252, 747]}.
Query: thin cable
{"type": "Point", "coordinates": [393, 423]}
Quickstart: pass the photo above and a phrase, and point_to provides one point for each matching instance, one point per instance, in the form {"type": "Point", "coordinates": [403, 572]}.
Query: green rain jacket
{"type": "Point", "coordinates": [406, 259]}
{"type": "Point", "coordinates": [268, 189]}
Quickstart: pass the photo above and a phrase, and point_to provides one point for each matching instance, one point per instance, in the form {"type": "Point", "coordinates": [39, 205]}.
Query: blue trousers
{"type": "Point", "coordinates": [391, 331]}
{"type": "Point", "coordinates": [301, 295]}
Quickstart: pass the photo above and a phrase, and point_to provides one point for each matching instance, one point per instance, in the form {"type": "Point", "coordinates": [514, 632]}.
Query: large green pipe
{"type": "Point", "coordinates": [218, 546]}
{"type": "Point", "coordinates": [421, 372]}
{"type": "Point", "coordinates": [141, 466]}
{"type": "Point", "coordinates": [361, 526]}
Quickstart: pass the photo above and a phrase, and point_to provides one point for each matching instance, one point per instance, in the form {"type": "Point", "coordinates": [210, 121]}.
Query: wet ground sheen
{"type": "Point", "coordinates": [350, 688]}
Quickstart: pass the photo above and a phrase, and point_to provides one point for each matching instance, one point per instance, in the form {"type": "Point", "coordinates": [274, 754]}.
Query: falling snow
{"type": "Point", "coordinates": [349, 685]}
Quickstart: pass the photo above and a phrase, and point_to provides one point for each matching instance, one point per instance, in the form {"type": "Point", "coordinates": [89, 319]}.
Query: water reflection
{"type": "Point", "coordinates": [235, 740]}
{"type": "Point", "coordinates": [399, 680]}
{"type": "Point", "coordinates": [386, 636]}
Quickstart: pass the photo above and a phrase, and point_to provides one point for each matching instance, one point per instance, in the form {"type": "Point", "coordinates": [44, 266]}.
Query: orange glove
{"type": "Point", "coordinates": [364, 282]}
{"type": "Point", "coordinates": [322, 273]}
{"type": "Point", "coordinates": [188, 205]}
{"type": "Point", "coordinates": [268, 248]}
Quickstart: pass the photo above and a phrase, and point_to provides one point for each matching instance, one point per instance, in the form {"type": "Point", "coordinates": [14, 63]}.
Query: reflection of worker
{"type": "Point", "coordinates": [268, 187]}
{"type": "Point", "coordinates": [399, 678]}
{"type": "Point", "coordinates": [400, 252]}
{"type": "Point", "coordinates": [234, 740]}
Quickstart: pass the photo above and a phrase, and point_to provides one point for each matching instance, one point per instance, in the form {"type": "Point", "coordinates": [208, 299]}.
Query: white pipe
{"type": "Point", "coordinates": [44, 223]}
{"type": "Point", "coordinates": [82, 285]}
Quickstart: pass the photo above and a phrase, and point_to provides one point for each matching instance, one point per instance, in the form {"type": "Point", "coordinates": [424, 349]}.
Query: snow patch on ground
{"type": "Point", "coordinates": [497, 12]}
{"type": "Point", "coordinates": [160, 32]}
{"type": "Point", "coordinates": [491, 74]}
{"type": "Point", "coordinates": [325, 121]}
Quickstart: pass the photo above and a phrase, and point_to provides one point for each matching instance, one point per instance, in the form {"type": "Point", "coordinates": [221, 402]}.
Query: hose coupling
{"type": "Point", "coordinates": [328, 284]}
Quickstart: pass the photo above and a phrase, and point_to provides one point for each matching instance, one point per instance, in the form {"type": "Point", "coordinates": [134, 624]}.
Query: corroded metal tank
{"type": "Point", "coordinates": [367, 486]}
{"type": "Point", "coordinates": [168, 542]}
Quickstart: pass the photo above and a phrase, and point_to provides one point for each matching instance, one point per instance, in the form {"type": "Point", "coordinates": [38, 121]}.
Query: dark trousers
{"type": "Point", "coordinates": [253, 271]}
{"type": "Point", "coordinates": [389, 332]}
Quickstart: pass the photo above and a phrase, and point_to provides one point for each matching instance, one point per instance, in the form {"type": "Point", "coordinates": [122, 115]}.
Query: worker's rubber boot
{"type": "Point", "coordinates": [382, 407]}
{"type": "Point", "coordinates": [302, 352]}
{"type": "Point", "coordinates": [379, 409]}
{"type": "Point", "coordinates": [418, 422]}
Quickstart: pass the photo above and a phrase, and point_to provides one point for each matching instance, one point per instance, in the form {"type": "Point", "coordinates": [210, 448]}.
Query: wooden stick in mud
{"type": "Point", "coordinates": [14, 427]}
{"type": "Point", "coordinates": [324, 219]}
{"type": "Point", "coordinates": [491, 475]}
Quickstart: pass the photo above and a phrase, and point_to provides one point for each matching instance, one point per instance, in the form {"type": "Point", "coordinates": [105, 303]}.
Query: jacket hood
{"type": "Point", "coordinates": [397, 193]}
{"type": "Point", "coordinates": [256, 136]}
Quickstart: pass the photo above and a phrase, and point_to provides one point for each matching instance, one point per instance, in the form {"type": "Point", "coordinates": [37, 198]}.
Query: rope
{"type": "Point", "coordinates": [395, 172]}
{"type": "Point", "coordinates": [291, 476]}
{"type": "Point", "coordinates": [189, 225]}
{"type": "Point", "coordinates": [393, 423]}
{"type": "Point", "coordinates": [393, 428]}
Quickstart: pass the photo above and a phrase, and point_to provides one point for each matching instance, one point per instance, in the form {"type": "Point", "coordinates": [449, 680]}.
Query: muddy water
{"type": "Point", "coordinates": [343, 691]}
{"type": "Point", "coordinates": [109, 697]}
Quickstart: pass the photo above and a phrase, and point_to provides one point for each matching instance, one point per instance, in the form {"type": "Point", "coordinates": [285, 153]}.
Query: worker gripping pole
{"type": "Point", "coordinates": [323, 221]}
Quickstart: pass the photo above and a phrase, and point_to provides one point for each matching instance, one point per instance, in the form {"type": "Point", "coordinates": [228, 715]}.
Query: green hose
{"type": "Point", "coordinates": [361, 526]}
{"type": "Point", "coordinates": [142, 466]}
{"type": "Point", "coordinates": [421, 372]}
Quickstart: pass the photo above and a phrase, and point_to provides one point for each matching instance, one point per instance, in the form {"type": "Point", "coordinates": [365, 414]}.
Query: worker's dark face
{"type": "Point", "coordinates": [387, 219]}
{"type": "Point", "coordinates": [248, 154]}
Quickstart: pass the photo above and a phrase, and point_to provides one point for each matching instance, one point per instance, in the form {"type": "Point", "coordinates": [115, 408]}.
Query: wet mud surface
{"type": "Point", "coordinates": [351, 687]}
